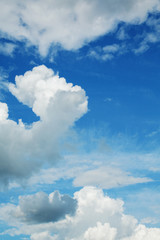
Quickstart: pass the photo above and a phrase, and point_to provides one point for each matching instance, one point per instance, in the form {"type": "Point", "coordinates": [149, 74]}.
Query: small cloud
{"type": "Point", "coordinates": [141, 49]}
{"type": "Point", "coordinates": [104, 53]}
{"type": "Point", "coordinates": [122, 34]}
{"type": "Point", "coordinates": [108, 99]}
{"type": "Point", "coordinates": [7, 49]}
{"type": "Point", "coordinates": [153, 133]}
{"type": "Point", "coordinates": [150, 220]}
{"type": "Point", "coordinates": [33, 63]}
{"type": "Point", "coordinates": [111, 48]}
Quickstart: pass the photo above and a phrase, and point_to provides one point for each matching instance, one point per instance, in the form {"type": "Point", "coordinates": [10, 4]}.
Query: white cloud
{"type": "Point", "coordinates": [100, 232]}
{"type": "Point", "coordinates": [3, 81]}
{"type": "Point", "coordinates": [107, 52]}
{"type": "Point", "coordinates": [7, 48]}
{"type": "Point", "coordinates": [67, 23]}
{"type": "Point", "coordinates": [57, 103]}
{"type": "Point", "coordinates": [42, 236]}
{"type": "Point", "coordinates": [143, 233]}
{"type": "Point", "coordinates": [148, 37]}
{"type": "Point", "coordinates": [97, 217]}
{"type": "Point", "coordinates": [3, 111]}
{"type": "Point", "coordinates": [106, 170]}
{"type": "Point", "coordinates": [107, 177]}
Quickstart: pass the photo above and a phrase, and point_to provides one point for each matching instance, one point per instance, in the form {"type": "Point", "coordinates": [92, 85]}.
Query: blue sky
{"type": "Point", "coordinates": [79, 120]}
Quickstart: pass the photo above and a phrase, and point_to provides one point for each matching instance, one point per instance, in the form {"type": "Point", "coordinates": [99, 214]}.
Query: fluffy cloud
{"type": "Point", "coordinates": [67, 23]}
{"type": "Point", "coordinates": [97, 217]}
{"type": "Point", "coordinates": [3, 111]}
{"type": "Point", "coordinates": [41, 208]}
{"type": "Point", "coordinates": [100, 232]}
{"type": "Point", "coordinates": [141, 233]}
{"type": "Point", "coordinates": [57, 103]}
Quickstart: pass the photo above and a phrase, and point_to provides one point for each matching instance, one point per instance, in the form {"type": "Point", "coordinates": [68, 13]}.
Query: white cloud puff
{"type": "Point", "coordinates": [100, 232]}
{"type": "Point", "coordinates": [67, 23]}
{"type": "Point", "coordinates": [97, 217]}
{"type": "Point", "coordinates": [57, 103]}
{"type": "Point", "coordinates": [3, 111]}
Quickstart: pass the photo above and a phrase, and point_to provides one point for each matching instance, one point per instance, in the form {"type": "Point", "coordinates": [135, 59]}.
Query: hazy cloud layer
{"type": "Point", "coordinates": [67, 23]}
{"type": "Point", "coordinates": [57, 103]}
{"type": "Point", "coordinates": [107, 177]}
{"type": "Point", "coordinates": [97, 217]}
{"type": "Point", "coordinates": [111, 170]}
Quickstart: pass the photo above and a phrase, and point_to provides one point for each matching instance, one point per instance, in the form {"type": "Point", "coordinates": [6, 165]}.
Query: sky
{"type": "Point", "coordinates": [79, 120]}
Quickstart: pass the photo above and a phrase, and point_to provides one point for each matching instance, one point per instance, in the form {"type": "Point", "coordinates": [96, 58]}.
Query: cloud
{"type": "Point", "coordinates": [107, 177]}
{"type": "Point", "coordinates": [141, 49]}
{"type": "Point", "coordinates": [42, 236]}
{"type": "Point", "coordinates": [58, 104]}
{"type": "Point", "coordinates": [3, 82]}
{"type": "Point", "coordinates": [3, 111]}
{"type": "Point", "coordinates": [108, 169]}
{"type": "Point", "coordinates": [7, 48]}
{"type": "Point", "coordinates": [149, 35]}
{"type": "Point", "coordinates": [141, 233]}
{"type": "Point", "coordinates": [41, 208]}
{"type": "Point", "coordinates": [107, 52]}
{"type": "Point", "coordinates": [69, 24]}
{"type": "Point", "coordinates": [97, 217]}
{"type": "Point", "coordinates": [100, 232]}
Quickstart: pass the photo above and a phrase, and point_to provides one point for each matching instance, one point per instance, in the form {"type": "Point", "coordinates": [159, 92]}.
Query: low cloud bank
{"type": "Point", "coordinates": [92, 216]}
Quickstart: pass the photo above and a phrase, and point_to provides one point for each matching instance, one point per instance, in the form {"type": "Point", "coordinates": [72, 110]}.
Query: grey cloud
{"type": "Point", "coordinates": [41, 208]}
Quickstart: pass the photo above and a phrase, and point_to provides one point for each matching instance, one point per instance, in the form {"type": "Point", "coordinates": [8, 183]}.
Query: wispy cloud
{"type": "Point", "coordinates": [107, 52]}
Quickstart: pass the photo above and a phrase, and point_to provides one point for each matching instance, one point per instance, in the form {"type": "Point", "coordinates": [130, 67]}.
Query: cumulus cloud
{"type": "Point", "coordinates": [100, 232]}
{"type": "Point", "coordinates": [3, 111]}
{"type": "Point", "coordinates": [69, 24]}
{"type": "Point", "coordinates": [141, 233]}
{"type": "Point", "coordinates": [97, 217]}
{"type": "Point", "coordinates": [43, 208]}
{"type": "Point", "coordinates": [57, 103]}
